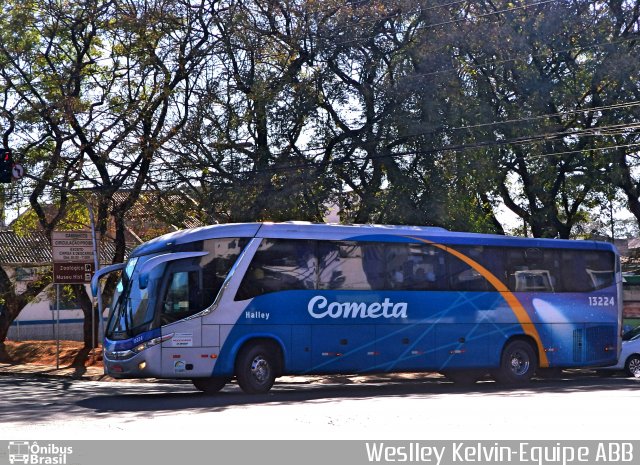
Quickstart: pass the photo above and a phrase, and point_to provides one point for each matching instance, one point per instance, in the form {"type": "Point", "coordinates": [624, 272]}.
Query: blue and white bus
{"type": "Point", "coordinates": [256, 301]}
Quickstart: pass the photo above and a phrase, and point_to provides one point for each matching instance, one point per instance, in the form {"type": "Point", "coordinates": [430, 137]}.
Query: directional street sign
{"type": "Point", "coordinates": [72, 257]}
{"type": "Point", "coordinates": [72, 273]}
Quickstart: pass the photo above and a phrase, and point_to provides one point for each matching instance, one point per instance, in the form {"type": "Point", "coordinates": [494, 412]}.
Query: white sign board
{"type": "Point", "coordinates": [72, 246]}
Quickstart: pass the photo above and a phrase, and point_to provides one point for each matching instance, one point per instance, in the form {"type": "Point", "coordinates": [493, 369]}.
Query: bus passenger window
{"type": "Point", "coordinates": [280, 265]}
{"type": "Point", "coordinates": [465, 277]}
{"type": "Point", "coordinates": [415, 267]}
{"type": "Point", "coordinates": [351, 266]}
{"type": "Point", "coordinates": [223, 253]}
{"type": "Point", "coordinates": [534, 270]}
{"type": "Point", "coordinates": [586, 270]}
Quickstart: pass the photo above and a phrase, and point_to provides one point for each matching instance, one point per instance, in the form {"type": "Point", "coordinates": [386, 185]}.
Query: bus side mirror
{"type": "Point", "coordinates": [100, 273]}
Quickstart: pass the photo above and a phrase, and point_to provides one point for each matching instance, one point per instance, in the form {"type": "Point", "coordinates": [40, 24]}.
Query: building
{"type": "Point", "coordinates": [24, 257]}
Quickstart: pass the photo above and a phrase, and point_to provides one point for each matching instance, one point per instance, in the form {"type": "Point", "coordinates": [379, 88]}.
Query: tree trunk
{"type": "Point", "coordinates": [90, 325]}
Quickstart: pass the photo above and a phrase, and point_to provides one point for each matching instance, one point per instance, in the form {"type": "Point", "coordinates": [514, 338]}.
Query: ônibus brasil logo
{"type": "Point", "coordinates": [34, 453]}
{"type": "Point", "coordinates": [319, 307]}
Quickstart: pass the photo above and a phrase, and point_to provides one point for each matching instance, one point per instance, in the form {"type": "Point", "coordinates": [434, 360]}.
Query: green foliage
{"type": "Point", "coordinates": [76, 217]}
{"type": "Point", "coordinates": [399, 111]}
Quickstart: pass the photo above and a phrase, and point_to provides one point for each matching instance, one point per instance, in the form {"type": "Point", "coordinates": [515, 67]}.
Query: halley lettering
{"type": "Point", "coordinates": [319, 307]}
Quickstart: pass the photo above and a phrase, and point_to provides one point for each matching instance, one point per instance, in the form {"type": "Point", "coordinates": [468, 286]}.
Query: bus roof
{"type": "Point", "coordinates": [304, 230]}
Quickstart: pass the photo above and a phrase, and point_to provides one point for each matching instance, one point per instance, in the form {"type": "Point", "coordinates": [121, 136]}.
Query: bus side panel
{"type": "Point", "coordinates": [462, 346]}
{"type": "Point", "coordinates": [471, 326]}
{"type": "Point", "coordinates": [402, 347]}
{"type": "Point", "coordinates": [299, 359]}
{"type": "Point", "coordinates": [342, 348]}
{"type": "Point", "coordinates": [577, 329]}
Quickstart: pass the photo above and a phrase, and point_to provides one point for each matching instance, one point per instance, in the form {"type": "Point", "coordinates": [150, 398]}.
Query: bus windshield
{"type": "Point", "coordinates": [132, 308]}
{"type": "Point", "coordinates": [180, 286]}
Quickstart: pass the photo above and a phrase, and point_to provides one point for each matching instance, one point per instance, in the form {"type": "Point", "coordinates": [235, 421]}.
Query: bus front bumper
{"type": "Point", "coordinates": [130, 364]}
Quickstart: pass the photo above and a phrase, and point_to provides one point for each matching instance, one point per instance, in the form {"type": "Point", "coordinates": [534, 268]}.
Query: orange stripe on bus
{"type": "Point", "coordinates": [513, 302]}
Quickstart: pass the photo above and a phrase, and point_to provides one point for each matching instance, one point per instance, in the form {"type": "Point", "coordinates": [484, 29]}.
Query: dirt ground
{"type": "Point", "coordinates": [72, 353]}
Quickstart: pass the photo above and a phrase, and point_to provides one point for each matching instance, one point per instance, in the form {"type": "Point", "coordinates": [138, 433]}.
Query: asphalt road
{"type": "Point", "coordinates": [573, 407]}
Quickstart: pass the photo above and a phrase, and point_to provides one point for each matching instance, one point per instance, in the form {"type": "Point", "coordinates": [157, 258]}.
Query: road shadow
{"type": "Point", "coordinates": [165, 401]}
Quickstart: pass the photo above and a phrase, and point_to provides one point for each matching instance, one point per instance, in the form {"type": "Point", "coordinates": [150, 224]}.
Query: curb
{"type": "Point", "coordinates": [97, 374]}
{"type": "Point", "coordinates": [76, 373]}
{"type": "Point", "coordinates": [32, 370]}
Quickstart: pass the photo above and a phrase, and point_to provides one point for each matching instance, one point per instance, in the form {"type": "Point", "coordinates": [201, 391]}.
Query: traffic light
{"type": "Point", "coordinates": [6, 166]}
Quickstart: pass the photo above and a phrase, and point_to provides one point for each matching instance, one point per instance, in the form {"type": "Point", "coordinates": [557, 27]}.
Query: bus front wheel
{"type": "Point", "coordinates": [517, 364]}
{"type": "Point", "coordinates": [256, 368]}
{"type": "Point", "coordinates": [210, 385]}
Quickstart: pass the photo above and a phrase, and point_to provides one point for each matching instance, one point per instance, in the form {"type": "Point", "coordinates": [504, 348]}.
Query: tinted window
{"type": "Point", "coordinates": [350, 265]}
{"type": "Point", "coordinates": [534, 270]}
{"type": "Point", "coordinates": [280, 265]}
{"type": "Point", "coordinates": [464, 277]}
{"type": "Point", "coordinates": [417, 267]}
{"type": "Point", "coordinates": [223, 253]}
{"type": "Point", "coordinates": [631, 334]}
{"type": "Point", "coordinates": [587, 270]}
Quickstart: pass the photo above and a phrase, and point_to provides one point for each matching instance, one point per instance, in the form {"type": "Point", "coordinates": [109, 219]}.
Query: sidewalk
{"type": "Point", "coordinates": [30, 369]}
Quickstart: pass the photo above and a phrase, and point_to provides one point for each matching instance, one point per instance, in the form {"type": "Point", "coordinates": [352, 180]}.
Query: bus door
{"type": "Point", "coordinates": [182, 296]}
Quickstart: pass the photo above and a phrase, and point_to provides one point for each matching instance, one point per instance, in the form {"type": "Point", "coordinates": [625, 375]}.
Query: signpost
{"type": "Point", "coordinates": [19, 172]}
{"type": "Point", "coordinates": [74, 262]}
{"type": "Point", "coordinates": [73, 273]}
{"type": "Point", "coordinates": [73, 259]}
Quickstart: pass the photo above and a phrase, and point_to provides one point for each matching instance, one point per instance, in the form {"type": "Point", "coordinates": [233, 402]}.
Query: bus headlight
{"type": "Point", "coordinates": [152, 342]}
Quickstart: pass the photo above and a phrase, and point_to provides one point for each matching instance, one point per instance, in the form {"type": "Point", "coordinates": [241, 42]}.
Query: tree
{"type": "Point", "coordinates": [96, 88]}
{"type": "Point", "coordinates": [244, 154]}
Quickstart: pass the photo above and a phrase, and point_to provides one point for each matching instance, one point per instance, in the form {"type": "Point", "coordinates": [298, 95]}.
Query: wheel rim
{"type": "Point", "coordinates": [519, 363]}
{"type": "Point", "coordinates": [260, 369]}
{"type": "Point", "coordinates": [634, 367]}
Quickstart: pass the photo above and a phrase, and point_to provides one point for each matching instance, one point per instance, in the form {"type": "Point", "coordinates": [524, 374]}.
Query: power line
{"type": "Point", "coordinates": [534, 157]}
{"type": "Point", "coordinates": [444, 129]}
{"type": "Point", "coordinates": [452, 21]}
{"type": "Point", "coordinates": [452, 148]}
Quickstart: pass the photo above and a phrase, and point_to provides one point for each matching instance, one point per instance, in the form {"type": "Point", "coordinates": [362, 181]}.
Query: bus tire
{"type": "Point", "coordinates": [210, 385]}
{"type": "Point", "coordinates": [518, 363]}
{"type": "Point", "coordinates": [256, 368]}
{"type": "Point", "coordinates": [632, 366]}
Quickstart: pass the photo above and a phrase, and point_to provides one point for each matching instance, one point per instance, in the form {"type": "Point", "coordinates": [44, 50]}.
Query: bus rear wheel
{"type": "Point", "coordinates": [632, 367]}
{"type": "Point", "coordinates": [517, 364]}
{"type": "Point", "coordinates": [256, 368]}
{"type": "Point", "coordinates": [210, 385]}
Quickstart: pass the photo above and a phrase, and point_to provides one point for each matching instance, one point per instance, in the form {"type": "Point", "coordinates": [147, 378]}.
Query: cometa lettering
{"type": "Point", "coordinates": [320, 307]}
